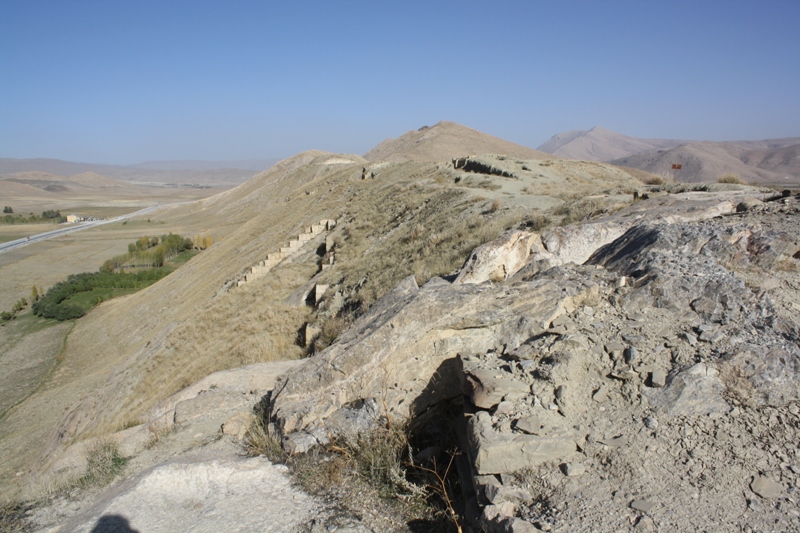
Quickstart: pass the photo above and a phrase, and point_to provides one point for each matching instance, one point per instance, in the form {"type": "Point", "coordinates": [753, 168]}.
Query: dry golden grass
{"type": "Point", "coordinates": [648, 178]}
{"type": "Point", "coordinates": [731, 177]}
{"type": "Point", "coordinates": [656, 179]}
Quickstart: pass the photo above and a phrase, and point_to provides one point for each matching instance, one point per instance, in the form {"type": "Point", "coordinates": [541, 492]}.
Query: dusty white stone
{"type": "Point", "coordinates": [201, 497]}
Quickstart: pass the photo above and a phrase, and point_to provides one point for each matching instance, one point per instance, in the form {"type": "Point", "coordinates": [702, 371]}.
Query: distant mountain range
{"type": "Point", "coordinates": [769, 161]}
{"type": "Point", "coordinates": [774, 161]}
{"type": "Point", "coordinates": [600, 144]}
{"type": "Point", "coordinates": [213, 173]}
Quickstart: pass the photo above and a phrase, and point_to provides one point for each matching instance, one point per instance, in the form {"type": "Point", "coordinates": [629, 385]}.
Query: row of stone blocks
{"type": "Point", "coordinates": [274, 258]}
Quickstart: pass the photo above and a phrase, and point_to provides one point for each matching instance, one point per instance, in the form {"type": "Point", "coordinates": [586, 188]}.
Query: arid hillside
{"type": "Point", "coordinates": [600, 144]}
{"type": "Point", "coordinates": [708, 161]}
{"type": "Point", "coordinates": [393, 219]}
{"type": "Point", "coordinates": [769, 161]}
{"type": "Point", "coordinates": [446, 140]}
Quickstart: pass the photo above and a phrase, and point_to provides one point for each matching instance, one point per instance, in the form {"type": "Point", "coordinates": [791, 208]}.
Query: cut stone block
{"type": "Point", "coordinates": [319, 292]}
{"type": "Point", "coordinates": [496, 453]}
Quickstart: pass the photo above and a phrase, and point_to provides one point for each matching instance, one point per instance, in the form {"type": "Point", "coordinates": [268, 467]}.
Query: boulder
{"type": "Point", "coordinates": [692, 392]}
{"type": "Point", "coordinates": [497, 260]}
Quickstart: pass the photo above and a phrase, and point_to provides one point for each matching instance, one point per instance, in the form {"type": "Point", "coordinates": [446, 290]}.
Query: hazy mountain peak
{"type": "Point", "coordinates": [601, 144]}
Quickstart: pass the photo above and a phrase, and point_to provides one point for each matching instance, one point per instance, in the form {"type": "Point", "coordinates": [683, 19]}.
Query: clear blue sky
{"type": "Point", "coordinates": [114, 81]}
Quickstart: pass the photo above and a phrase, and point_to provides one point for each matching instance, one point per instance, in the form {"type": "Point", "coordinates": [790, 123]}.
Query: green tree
{"type": "Point", "coordinates": [7, 209]}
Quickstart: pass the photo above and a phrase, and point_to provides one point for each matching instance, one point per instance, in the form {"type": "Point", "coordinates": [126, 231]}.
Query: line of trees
{"type": "Point", "coordinates": [5, 316]}
{"type": "Point", "coordinates": [46, 216]}
{"type": "Point", "coordinates": [149, 252]}
{"type": "Point", "coordinates": [52, 305]}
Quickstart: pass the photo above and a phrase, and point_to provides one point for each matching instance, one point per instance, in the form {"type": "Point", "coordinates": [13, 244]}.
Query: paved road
{"type": "Point", "coordinates": [11, 245]}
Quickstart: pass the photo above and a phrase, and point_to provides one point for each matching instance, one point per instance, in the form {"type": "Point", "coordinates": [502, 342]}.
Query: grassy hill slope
{"type": "Point", "coordinates": [420, 218]}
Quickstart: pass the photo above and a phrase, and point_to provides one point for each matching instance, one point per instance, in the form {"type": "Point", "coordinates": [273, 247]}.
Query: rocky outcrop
{"type": "Point", "coordinates": [666, 325]}
{"type": "Point", "coordinates": [497, 260]}
{"type": "Point", "coordinates": [402, 352]}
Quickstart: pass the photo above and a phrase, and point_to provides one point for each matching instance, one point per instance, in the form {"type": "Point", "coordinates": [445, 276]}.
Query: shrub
{"type": "Point", "coordinates": [260, 440]}
{"type": "Point", "coordinates": [731, 177]}
{"type": "Point", "coordinates": [330, 330]}
{"type": "Point", "coordinates": [654, 179]}
{"type": "Point", "coordinates": [103, 463]}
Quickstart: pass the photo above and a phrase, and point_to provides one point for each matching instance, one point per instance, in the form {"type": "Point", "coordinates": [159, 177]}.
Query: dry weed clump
{"type": "Point", "coordinates": [578, 211]}
{"type": "Point", "coordinates": [260, 439]}
{"type": "Point", "coordinates": [103, 463]}
{"type": "Point", "coordinates": [731, 177]}
{"type": "Point", "coordinates": [383, 467]}
{"type": "Point", "coordinates": [536, 223]}
{"type": "Point", "coordinates": [654, 179]}
{"type": "Point", "coordinates": [382, 463]}
{"type": "Point", "coordinates": [330, 330]}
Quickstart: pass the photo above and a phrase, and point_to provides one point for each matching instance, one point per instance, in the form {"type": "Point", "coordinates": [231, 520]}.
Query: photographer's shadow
{"type": "Point", "coordinates": [113, 524]}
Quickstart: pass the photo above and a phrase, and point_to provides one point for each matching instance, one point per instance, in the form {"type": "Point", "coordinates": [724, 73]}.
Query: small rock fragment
{"type": "Point", "coordinates": [766, 488]}
{"type": "Point", "coordinates": [624, 374]}
{"type": "Point", "coordinates": [631, 354]}
{"type": "Point", "coordinates": [504, 510]}
{"type": "Point", "coordinates": [573, 469]}
{"type": "Point", "coordinates": [504, 408]}
{"type": "Point", "coordinates": [518, 525]}
{"type": "Point", "coordinates": [642, 505]}
{"type": "Point", "coordinates": [614, 346]}
{"type": "Point", "coordinates": [658, 378]}
{"type": "Point", "coordinates": [600, 395]}
{"type": "Point", "coordinates": [650, 422]}
{"type": "Point", "coordinates": [560, 392]}
{"type": "Point", "coordinates": [621, 440]}
{"type": "Point", "coordinates": [529, 424]}
{"type": "Point", "coordinates": [691, 338]}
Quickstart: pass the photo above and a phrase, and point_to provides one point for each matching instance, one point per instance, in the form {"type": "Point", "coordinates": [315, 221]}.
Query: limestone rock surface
{"type": "Point", "coordinates": [232, 494]}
